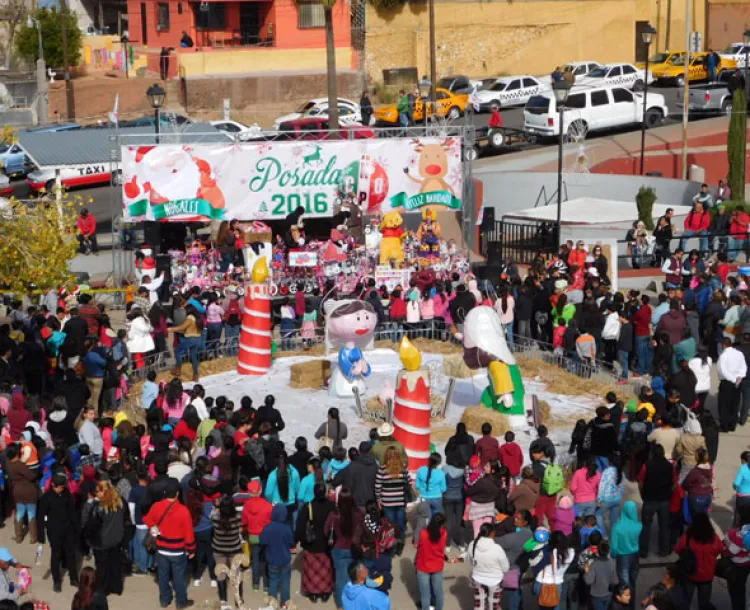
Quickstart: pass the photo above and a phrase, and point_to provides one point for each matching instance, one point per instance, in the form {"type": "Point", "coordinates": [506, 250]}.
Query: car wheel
{"type": "Point", "coordinates": [454, 113]}
{"type": "Point", "coordinates": [116, 178]}
{"type": "Point", "coordinates": [653, 118]}
{"type": "Point", "coordinates": [495, 105]}
{"type": "Point", "coordinates": [679, 80]}
{"type": "Point", "coordinates": [577, 131]}
{"type": "Point", "coordinates": [496, 138]}
{"type": "Point", "coordinates": [49, 186]}
{"type": "Point", "coordinates": [638, 85]}
{"type": "Point", "coordinates": [471, 153]}
{"type": "Point", "coordinates": [726, 107]}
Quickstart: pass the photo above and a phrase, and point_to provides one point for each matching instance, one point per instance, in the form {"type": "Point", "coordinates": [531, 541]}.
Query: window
{"type": "Point", "coordinates": [228, 127]}
{"type": "Point", "coordinates": [461, 83]}
{"type": "Point", "coordinates": [538, 104]}
{"type": "Point", "coordinates": [577, 100]}
{"type": "Point", "coordinates": [514, 85]}
{"type": "Point", "coordinates": [162, 16]}
{"type": "Point", "coordinates": [529, 82]}
{"type": "Point", "coordinates": [310, 15]}
{"type": "Point", "coordinates": [212, 19]}
{"type": "Point", "coordinates": [441, 95]}
{"type": "Point", "coordinates": [614, 72]}
{"type": "Point", "coordinates": [345, 111]}
{"type": "Point", "coordinates": [599, 98]}
{"type": "Point", "coordinates": [622, 96]}
{"type": "Point", "coordinates": [628, 70]}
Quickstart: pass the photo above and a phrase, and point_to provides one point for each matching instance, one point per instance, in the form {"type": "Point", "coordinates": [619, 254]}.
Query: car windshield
{"type": "Point", "coordinates": [680, 61]}
{"type": "Point", "coordinates": [4, 148]}
{"type": "Point", "coordinates": [732, 49]}
{"type": "Point", "coordinates": [658, 58]}
{"type": "Point", "coordinates": [598, 72]}
{"type": "Point", "coordinates": [499, 86]}
{"type": "Point", "coordinates": [537, 104]}
{"type": "Point", "coordinates": [305, 107]}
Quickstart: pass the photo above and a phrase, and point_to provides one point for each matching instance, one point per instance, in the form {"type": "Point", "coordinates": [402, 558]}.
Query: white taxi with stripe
{"type": "Point", "coordinates": [616, 75]}
{"type": "Point", "coordinates": [509, 91]}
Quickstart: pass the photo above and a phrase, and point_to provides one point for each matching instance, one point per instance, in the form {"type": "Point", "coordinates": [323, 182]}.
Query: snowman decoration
{"type": "Point", "coordinates": [145, 263]}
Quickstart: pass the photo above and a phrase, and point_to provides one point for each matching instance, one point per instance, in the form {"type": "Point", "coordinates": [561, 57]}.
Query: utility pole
{"type": "Point", "coordinates": [69, 104]}
{"type": "Point", "coordinates": [433, 61]}
{"type": "Point", "coordinates": [686, 91]}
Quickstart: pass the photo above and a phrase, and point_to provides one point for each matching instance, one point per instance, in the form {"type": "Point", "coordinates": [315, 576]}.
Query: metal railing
{"type": "Point", "coordinates": [521, 241]}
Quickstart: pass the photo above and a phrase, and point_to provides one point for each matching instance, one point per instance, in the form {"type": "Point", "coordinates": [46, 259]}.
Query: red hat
{"type": "Point", "coordinates": [254, 488]}
{"type": "Point", "coordinates": [474, 461]}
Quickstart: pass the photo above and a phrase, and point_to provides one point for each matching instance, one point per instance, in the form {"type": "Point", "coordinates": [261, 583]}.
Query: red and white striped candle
{"type": "Point", "coordinates": [254, 357]}
{"type": "Point", "coordinates": [411, 415]}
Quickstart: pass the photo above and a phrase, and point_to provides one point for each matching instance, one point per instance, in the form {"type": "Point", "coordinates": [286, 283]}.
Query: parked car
{"type": "Point", "coordinates": [613, 75]}
{"type": "Point", "coordinates": [589, 109]}
{"type": "Point", "coordinates": [697, 69]}
{"type": "Point", "coordinates": [5, 186]}
{"type": "Point", "coordinates": [711, 98]}
{"type": "Point", "coordinates": [13, 159]}
{"type": "Point", "coordinates": [317, 128]}
{"type": "Point", "coordinates": [459, 84]}
{"type": "Point", "coordinates": [90, 175]}
{"type": "Point", "coordinates": [579, 69]}
{"type": "Point", "coordinates": [509, 91]}
{"type": "Point", "coordinates": [54, 127]}
{"type": "Point", "coordinates": [166, 119]}
{"type": "Point", "coordinates": [349, 112]}
{"type": "Point", "coordinates": [238, 130]}
{"type": "Point", "coordinates": [448, 105]}
{"type": "Point", "coordinates": [661, 60]}
{"type": "Point", "coordinates": [737, 51]}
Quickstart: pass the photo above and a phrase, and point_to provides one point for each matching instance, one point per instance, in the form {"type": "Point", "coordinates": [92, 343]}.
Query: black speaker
{"type": "Point", "coordinates": [494, 253]}
{"type": "Point", "coordinates": [152, 234]}
{"type": "Point", "coordinates": [488, 220]}
{"type": "Point", "coordinates": [490, 273]}
{"type": "Point", "coordinates": [163, 265]}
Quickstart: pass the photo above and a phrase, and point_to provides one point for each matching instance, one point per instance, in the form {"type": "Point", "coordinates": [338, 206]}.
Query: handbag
{"type": "Point", "coordinates": [725, 569]}
{"type": "Point", "coordinates": [408, 491]}
{"type": "Point", "coordinates": [149, 542]}
{"type": "Point", "coordinates": [549, 596]}
{"type": "Point", "coordinates": [326, 441]}
{"type": "Point", "coordinates": [310, 535]}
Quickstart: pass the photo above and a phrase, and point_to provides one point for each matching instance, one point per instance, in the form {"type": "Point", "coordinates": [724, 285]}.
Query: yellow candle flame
{"type": "Point", "coordinates": [410, 356]}
{"type": "Point", "coordinates": [260, 273]}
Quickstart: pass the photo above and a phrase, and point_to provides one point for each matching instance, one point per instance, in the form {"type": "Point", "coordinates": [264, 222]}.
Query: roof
{"type": "Point", "coordinates": [578, 212]}
{"type": "Point", "coordinates": [503, 79]}
{"type": "Point", "coordinates": [81, 147]}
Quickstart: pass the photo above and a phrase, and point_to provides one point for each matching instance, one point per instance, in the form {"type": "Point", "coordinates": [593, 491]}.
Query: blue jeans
{"type": "Point", "coordinates": [143, 559]}
{"type": "Point", "coordinates": [431, 587]}
{"type": "Point", "coordinates": [436, 505]}
{"type": "Point", "coordinates": [627, 571]}
{"type": "Point", "coordinates": [258, 565]}
{"type": "Point", "coordinates": [584, 508]}
{"type": "Point", "coordinates": [279, 577]}
{"type": "Point", "coordinates": [623, 357]}
{"type": "Point", "coordinates": [397, 516]}
{"type": "Point", "coordinates": [613, 508]}
{"type": "Point", "coordinates": [602, 463]}
{"type": "Point", "coordinates": [189, 345]}
{"type": "Point", "coordinates": [171, 571]}
{"type": "Point", "coordinates": [509, 333]}
{"type": "Point", "coordinates": [514, 597]}
{"type": "Point", "coordinates": [204, 556]}
{"type": "Point", "coordinates": [712, 74]}
{"type": "Point", "coordinates": [735, 247]}
{"type": "Point", "coordinates": [699, 504]}
{"type": "Point", "coordinates": [703, 239]}
{"type": "Point", "coordinates": [538, 587]}
{"type": "Point", "coordinates": [645, 355]}
{"type": "Point", "coordinates": [341, 560]}
{"type": "Point", "coordinates": [600, 603]}
{"type": "Point", "coordinates": [25, 510]}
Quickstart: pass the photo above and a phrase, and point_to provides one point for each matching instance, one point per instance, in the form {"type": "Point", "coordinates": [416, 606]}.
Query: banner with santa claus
{"type": "Point", "coordinates": [268, 180]}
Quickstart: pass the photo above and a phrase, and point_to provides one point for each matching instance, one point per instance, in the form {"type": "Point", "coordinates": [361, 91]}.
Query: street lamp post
{"type": "Point", "coordinates": [648, 35]}
{"type": "Point", "coordinates": [561, 90]}
{"type": "Point", "coordinates": [42, 108]}
{"type": "Point", "coordinates": [156, 96]}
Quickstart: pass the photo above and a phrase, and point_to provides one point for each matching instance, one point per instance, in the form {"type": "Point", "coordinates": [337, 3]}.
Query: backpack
{"type": "Point", "coordinates": [387, 536]}
{"type": "Point", "coordinates": [553, 480]}
{"type": "Point", "coordinates": [611, 329]}
{"type": "Point", "coordinates": [254, 449]}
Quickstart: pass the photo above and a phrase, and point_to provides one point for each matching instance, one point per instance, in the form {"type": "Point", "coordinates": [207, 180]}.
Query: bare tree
{"type": "Point", "coordinates": [12, 15]}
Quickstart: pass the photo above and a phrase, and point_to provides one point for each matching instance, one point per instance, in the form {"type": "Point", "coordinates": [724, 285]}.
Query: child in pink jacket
{"type": "Point", "coordinates": [585, 487]}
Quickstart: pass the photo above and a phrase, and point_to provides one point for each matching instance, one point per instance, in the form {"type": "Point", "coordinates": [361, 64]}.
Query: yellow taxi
{"type": "Point", "coordinates": [659, 61]}
{"type": "Point", "coordinates": [697, 69]}
{"type": "Point", "coordinates": [450, 105]}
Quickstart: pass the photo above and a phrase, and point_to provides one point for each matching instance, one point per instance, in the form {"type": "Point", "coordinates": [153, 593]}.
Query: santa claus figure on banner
{"type": "Point", "coordinates": [171, 173]}
{"type": "Point", "coordinates": [145, 263]}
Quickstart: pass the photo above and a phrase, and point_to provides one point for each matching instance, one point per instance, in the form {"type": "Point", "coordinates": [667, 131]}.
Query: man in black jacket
{"type": "Point", "coordinates": [461, 305]}
{"type": "Point", "coordinates": [58, 521]}
{"type": "Point", "coordinates": [269, 413]}
{"type": "Point", "coordinates": [359, 476]}
{"type": "Point", "coordinates": [603, 437]}
{"type": "Point", "coordinates": [156, 489]}
{"type": "Point", "coordinates": [657, 484]}
{"type": "Point", "coordinates": [77, 330]}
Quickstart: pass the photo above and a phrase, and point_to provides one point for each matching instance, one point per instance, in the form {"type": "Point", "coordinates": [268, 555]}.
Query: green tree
{"type": "Point", "coordinates": [27, 41]}
{"type": "Point", "coordinates": [736, 146]}
{"type": "Point", "coordinates": [644, 200]}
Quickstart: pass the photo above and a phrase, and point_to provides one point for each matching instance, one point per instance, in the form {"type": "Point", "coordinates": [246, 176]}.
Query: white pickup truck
{"type": "Point", "coordinates": [590, 109]}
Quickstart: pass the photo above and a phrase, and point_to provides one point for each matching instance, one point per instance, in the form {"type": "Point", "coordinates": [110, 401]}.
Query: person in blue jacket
{"type": "Point", "coordinates": [277, 539]}
{"type": "Point", "coordinates": [742, 483]}
{"type": "Point", "coordinates": [431, 484]}
{"type": "Point", "coordinates": [282, 486]}
{"type": "Point", "coordinates": [358, 596]}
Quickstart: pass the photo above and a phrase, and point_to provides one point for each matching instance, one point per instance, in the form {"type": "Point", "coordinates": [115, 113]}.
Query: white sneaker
{"type": "Point", "coordinates": [197, 583]}
{"type": "Point", "coordinates": [214, 584]}
{"type": "Point", "coordinates": [447, 549]}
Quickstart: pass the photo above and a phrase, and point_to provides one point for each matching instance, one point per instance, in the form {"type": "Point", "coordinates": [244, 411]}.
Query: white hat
{"type": "Point", "coordinates": [561, 285]}
{"type": "Point", "coordinates": [385, 429]}
{"type": "Point", "coordinates": [593, 272]}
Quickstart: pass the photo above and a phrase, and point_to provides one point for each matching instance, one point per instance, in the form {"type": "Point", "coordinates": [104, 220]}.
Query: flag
{"type": "Point", "coordinates": [113, 114]}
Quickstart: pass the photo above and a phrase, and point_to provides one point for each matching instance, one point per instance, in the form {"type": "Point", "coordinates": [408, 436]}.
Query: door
{"type": "Point", "coordinates": [144, 25]}
{"type": "Point", "coordinates": [600, 113]}
{"type": "Point", "coordinates": [624, 108]}
{"type": "Point", "coordinates": [250, 22]}
{"type": "Point", "coordinates": [513, 94]}
{"type": "Point", "coordinates": [530, 87]}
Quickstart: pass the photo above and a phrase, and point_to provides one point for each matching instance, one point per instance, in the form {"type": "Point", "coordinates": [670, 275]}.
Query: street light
{"type": "Point", "coordinates": [648, 36]}
{"type": "Point", "coordinates": [156, 96]}
{"type": "Point", "coordinates": [41, 74]}
{"type": "Point", "coordinates": [425, 89]}
{"type": "Point", "coordinates": [561, 89]}
{"type": "Point", "coordinates": [30, 23]}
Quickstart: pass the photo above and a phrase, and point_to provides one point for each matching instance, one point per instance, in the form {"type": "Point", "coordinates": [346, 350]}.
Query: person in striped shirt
{"type": "Point", "coordinates": [391, 482]}
{"type": "Point", "coordinates": [226, 545]}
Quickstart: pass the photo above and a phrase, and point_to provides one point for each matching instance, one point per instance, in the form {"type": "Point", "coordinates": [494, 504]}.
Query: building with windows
{"type": "Point", "coordinates": [240, 37]}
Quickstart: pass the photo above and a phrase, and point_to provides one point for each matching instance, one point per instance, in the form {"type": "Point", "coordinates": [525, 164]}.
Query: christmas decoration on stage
{"type": "Point", "coordinates": [254, 357]}
{"type": "Point", "coordinates": [411, 410]}
{"type": "Point", "coordinates": [145, 263]}
{"type": "Point", "coordinates": [485, 346]}
{"type": "Point", "coordinates": [350, 326]}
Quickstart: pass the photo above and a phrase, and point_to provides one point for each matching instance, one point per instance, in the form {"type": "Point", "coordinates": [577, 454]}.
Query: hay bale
{"type": "Point", "coordinates": [441, 434]}
{"type": "Point", "coordinates": [310, 374]}
{"type": "Point", "coordinates": [474, 417]}
{"type": "Point", "coordinates": [560, 381]}
{"type": "Point", "coordinates": [545, 411]}
{"type": "Point", "coordinates": [438, 404]}
{"type": "Point", "coordinates": [454, 366]}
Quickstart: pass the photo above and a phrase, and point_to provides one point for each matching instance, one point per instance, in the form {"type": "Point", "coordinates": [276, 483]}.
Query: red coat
{"type": "Point", "coordinates": [512, 457]}
{"type": "Point", "coordinates": [487, 448]}
{"type": "Point", "coordinates": [431, 555]}
{"type": "Point", "coordinates": [697, 222]}
{"type": "Point", "coordinates": [86, 226]}
{"type": "Point", "coordinates": [256, 515]}
{"type": "Point", "coordinates": [398, 309]}
{"type": "Point", "coordinates": [641, 320]}
{"type": "Point", "coordinates": [578, 257]}
{"type": "Point", "coordinates": [738, 226]}
{"type": "Point", "coordinates": [176, 531]}
{"type": "Point", "coordinates": [705, 555]}
{"type": "Point", "coordinates": [182, 429]}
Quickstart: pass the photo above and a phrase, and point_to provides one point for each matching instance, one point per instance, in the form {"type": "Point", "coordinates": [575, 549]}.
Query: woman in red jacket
{"type": "Point", "coordinates": [707, 546]}
{"type": "Point", "coordinates": [431, 562]}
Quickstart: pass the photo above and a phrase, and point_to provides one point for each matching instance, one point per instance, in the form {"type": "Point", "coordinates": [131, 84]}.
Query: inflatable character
{"type": "Point", "coordinates": [294, 235]}
{"type": "Point", "coordinates": [145, 263]}
{"type": "Point", "coordinates": [485, 346]}
{"type": "Point", "coordinates": [351, 323]}
{"type": "Point", "coordinates": [393, 234]}
{"type": "Point", "coordinates": [335, 250]}
{"type": "Point", "coordinates": [372, 233]}
{"type": "Point", "coordinates": [428, 233]}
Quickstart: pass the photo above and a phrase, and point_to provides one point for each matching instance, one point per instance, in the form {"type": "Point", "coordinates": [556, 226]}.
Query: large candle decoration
{"type": "Point", "coordinates": [254, 356]}
{"type": "Point", "coordinates": [412, 408]}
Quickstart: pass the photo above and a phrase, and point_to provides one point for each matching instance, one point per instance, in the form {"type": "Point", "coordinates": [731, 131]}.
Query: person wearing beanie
{"type": "Point", "coordinates": [256, 514]}
{"type": "Point", "coordinates": [565, 515]}
{"type": "Point", "coordinates": [360, 476]}
{"type": "Point", "coordinates": [58, 522]}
